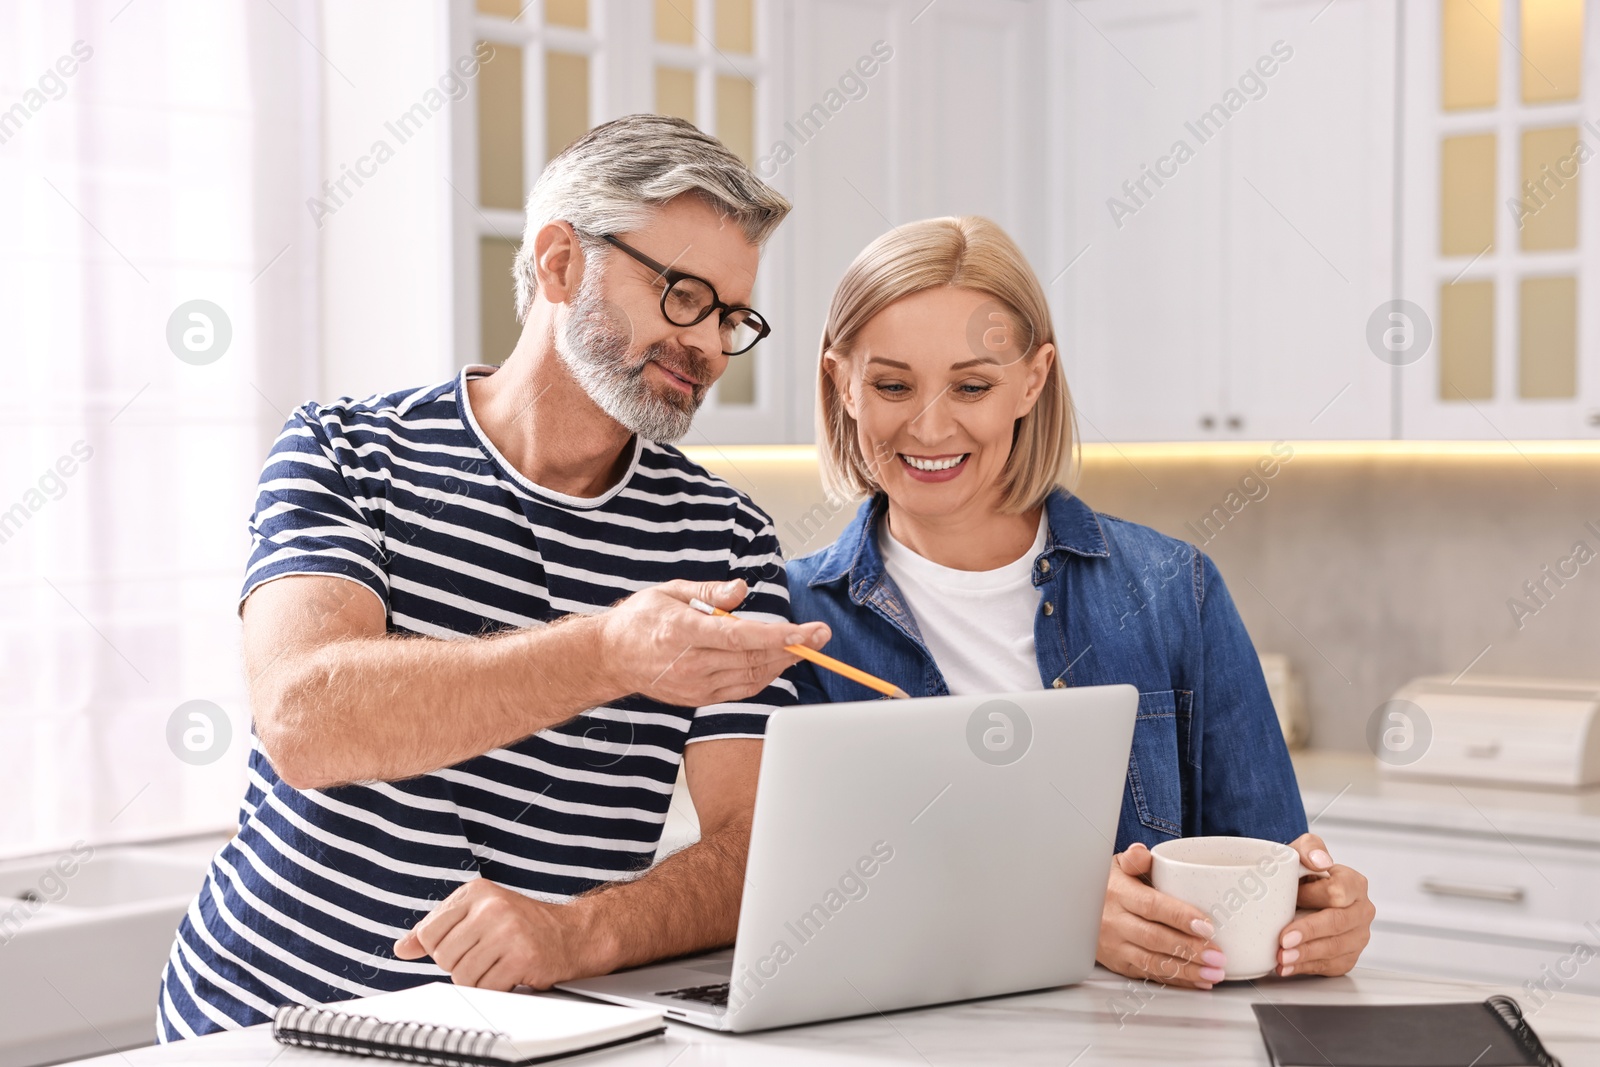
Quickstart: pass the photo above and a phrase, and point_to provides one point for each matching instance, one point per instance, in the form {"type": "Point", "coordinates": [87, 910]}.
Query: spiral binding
{"type": "Point", "coordinates": [1510, 1013]}
{"type": "Point", "coordinates": [364, 1035]}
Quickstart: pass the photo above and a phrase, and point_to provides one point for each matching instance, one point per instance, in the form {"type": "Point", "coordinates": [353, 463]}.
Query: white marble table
{"type": "Point", "coordinates": [1079, 1026]}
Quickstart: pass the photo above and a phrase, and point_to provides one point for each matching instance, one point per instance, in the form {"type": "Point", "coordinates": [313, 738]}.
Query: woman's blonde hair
{"type": "Point", "coordinates": [968, 252]}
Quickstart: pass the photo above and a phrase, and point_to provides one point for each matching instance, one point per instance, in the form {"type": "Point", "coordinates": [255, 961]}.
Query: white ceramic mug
{"type": "Point", "coordinates": [1246, 886]}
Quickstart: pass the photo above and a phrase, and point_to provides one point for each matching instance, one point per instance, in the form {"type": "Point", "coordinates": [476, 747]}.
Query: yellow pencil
{"type": "Point", "coordinates": [888, 689]}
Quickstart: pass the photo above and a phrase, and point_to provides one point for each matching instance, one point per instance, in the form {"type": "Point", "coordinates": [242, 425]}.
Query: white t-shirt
{"type": "Point", "coordinates": [977, 624]}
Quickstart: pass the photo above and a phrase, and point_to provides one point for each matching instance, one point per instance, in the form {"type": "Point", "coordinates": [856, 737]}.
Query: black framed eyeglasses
{"type": "Point", "coordinates": [687, 300]}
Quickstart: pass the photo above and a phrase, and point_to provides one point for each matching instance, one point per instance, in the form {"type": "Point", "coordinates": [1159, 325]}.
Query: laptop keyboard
{"type": "Point", "coordinates": [716, 994]}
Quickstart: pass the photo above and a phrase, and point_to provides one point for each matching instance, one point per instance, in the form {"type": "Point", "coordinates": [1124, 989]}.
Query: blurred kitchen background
{"type": "Point", "coordinates": [1356, 237]}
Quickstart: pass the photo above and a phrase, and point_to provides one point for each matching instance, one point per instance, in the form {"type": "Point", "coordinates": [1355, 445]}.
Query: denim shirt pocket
{"type": "Point", "coordinates": [1155, 766]}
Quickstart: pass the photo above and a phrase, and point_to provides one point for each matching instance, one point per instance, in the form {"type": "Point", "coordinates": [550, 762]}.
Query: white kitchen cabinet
{"type": "Point", "coordinates": [1477, 906]}
{"type": "Point", "coordinates": [1310, 212]}
{"type": "Point", "coordinates": [1139, 314]}
{"type": "Point", "coordinates": [1498, 884]}
{"type": "Point", "coordinates": [865, 113]}
{"type": "Point", "coordinates": [1483, 393]}
{"type": "Point", "coordinates": [1226, 173]}
{"type": "Point", "coordinates": [1221, 197]}
{"type": "Point", "coordinates": [969, 119]}
{"type": "Point", "coordinates": [558, 70]}
{"type": "Point", "coordinates": [842, 178]}
{"type": "Point", "coordinates": [947, 125]}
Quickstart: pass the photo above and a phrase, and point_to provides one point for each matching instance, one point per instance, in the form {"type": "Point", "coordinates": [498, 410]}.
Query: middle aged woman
{"type": "Point", "coordinates": [970, 570]}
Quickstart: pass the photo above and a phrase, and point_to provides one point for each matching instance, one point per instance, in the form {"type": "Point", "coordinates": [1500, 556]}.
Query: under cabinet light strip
{"type": "Point", "coordinates": [1204, 450]}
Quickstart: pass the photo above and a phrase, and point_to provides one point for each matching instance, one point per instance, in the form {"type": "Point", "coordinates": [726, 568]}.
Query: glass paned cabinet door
{"type": "Point", "coordinates": [1466, 341]}
{"type": "Point", "coordinates": [500, 126]}
{"type": "Point", "coordinates": [1550, 179]}
{"type": "Point", "coordinates": [1469, 54]}
{"type": "Point", "coordinates": [566, 112]}
{"type": "Point", "coordinates": [1552, 50]}
{"type": "Point", "coordinates": [573, 13]}
{"type": "Point", "coordinates": [497, 307]}
{"type": "Point", "coordinates": [1547, 350]}
{"type": "Point", "coordinates": [675, 93]}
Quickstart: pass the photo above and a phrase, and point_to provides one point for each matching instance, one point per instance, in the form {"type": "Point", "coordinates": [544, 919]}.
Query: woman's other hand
{"type": "Point", "coordinates": [1150, 935]}
{"type": "Point", "coordinates": [1329, 940]}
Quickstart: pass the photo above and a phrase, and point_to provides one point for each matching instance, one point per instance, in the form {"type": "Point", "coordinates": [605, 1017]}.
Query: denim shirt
{"type": "Point", "coordinates": [1118, 602]}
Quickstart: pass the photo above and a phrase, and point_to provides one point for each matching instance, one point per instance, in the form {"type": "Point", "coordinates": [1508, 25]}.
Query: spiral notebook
{"type": "Point", "coordinates": [454, 1026]}
{"type": "Point", "coordinates": [1488, 1034]}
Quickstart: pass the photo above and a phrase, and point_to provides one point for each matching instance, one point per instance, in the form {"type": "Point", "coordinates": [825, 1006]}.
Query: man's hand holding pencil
{"type": "Point", "coordinates": [667, 650]}
{"type": "Point", "coordinates": [855, 674]}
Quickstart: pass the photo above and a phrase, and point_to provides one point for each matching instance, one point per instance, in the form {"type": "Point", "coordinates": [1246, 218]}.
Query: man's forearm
{"type": "Point", "coordinates": [688, 902]}
{"type": "Point", "coordinates": [386, 708]}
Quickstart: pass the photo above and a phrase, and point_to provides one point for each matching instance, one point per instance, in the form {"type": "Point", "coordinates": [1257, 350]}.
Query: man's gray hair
{"type": "Point", "coordinates": [609, 180]}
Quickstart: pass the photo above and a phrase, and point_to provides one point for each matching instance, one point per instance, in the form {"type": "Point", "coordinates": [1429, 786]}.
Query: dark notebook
{"type": "Point", "coordinates": [1490, 1034]}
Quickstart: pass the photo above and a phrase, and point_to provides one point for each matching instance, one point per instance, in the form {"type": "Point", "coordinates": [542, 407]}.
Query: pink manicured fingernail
{"type": "Point", "coordinates": [1203, 929]}
{"type": "Point", "coordinates": [1290, 955]}
{"type": "Point", "coordinates": [1212, 974]}
{"type": "Point", "coordinates": [1291, 939]}
{"type": "Point", "coordinates": [1287, 971]}
{"type": "Point", "coordinates": [1320, 858]}
{"type": "Point", "coordinates": [1214, 958]}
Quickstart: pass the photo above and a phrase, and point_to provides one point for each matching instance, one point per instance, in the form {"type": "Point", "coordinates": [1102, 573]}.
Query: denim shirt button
{"type": "Point", "coordinates": [1049, 608]}
{"type": "Point", "coordinates": [1058, 684]}
{"type": "Point", "coordinates": [1044, 566]}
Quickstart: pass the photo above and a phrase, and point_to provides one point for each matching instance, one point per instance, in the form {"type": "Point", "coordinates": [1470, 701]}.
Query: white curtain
{"type": "Point", "coordinates": [152, 153]}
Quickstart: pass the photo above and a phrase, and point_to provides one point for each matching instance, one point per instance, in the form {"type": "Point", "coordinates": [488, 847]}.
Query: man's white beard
{"type": "Point", "coordinates": [594, 347]}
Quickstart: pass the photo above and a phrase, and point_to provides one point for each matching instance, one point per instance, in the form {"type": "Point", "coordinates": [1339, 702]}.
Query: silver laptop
{"type": "Point", "coordinates": [906, 853]}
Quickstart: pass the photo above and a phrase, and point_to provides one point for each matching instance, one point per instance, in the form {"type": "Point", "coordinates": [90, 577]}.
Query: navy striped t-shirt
{"type": "Point", "coordinates": [404, 495]}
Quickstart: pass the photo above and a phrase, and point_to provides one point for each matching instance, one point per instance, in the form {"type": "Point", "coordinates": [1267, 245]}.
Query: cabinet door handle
{"type": "Point", "coordinates": [1507, 894]}
{"type": "Point", "coordinates": [1207, 422]}
{"type": "Point", "coordinates": [1235, 422]}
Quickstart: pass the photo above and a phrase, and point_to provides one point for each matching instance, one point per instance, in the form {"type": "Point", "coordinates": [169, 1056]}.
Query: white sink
{"type": "Point", "coordinates": [81, 954]}
{"type": "Point", "coordinates": [108, 879]}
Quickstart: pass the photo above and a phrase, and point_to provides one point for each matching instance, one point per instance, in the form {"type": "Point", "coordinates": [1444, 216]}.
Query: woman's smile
{"type": "Point", "coordinates": [934, 468]}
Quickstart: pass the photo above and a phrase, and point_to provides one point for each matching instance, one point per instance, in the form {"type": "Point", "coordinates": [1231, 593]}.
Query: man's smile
{"type": "Point", "coordinates": [677, 378]}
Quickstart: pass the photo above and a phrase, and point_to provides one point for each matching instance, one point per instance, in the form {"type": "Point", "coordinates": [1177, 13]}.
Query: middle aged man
{"type": "Point", "coordinates": [460, 752]}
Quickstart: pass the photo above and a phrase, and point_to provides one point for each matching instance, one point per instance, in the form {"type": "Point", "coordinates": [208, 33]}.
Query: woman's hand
{"type": "Point", "coordinates": [1329, 940]}
{"type": "Point", "coordinates": [1150, 935]}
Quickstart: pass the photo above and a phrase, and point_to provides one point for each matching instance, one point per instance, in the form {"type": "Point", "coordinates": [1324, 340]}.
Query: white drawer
{"type": "Point", "coordinates": [1553, 970]}
{"type": "Point", "coordinates": [1487, 885]}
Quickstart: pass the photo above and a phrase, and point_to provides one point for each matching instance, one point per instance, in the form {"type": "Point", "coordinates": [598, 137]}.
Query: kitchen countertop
{"type": "Point", "coordinates": [1078, 1025]}
{"type": "Point", "coordinates": [1346, 787]}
